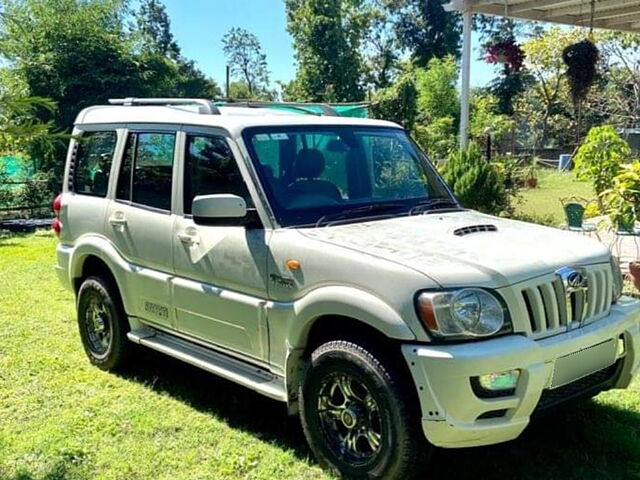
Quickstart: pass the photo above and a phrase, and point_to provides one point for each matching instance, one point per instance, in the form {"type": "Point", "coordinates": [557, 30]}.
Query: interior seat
{"type": "Point", "coordinates": [308, 167]}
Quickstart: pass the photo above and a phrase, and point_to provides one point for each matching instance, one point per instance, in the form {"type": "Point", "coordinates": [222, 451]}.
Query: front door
{"type": "Point", "coordinates": [140, 224]}
{"type": "Point", "coordinates": [220, 285]}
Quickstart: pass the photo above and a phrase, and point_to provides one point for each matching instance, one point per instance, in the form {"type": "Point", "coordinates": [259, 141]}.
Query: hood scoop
{"type": "Point", "coordinates": [463, 231]}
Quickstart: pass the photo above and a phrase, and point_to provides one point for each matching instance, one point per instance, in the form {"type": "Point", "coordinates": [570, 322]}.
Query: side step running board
{"type": "Point", "coordinates": [217, 363]}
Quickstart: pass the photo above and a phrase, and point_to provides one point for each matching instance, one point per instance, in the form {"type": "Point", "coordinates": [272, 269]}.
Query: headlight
{"type": "Point", "coordinates": [462, 314]}
{"type": "Point", "coordinates": [617, 278]}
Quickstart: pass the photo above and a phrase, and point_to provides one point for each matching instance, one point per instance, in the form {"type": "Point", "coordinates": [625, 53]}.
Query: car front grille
{"type": "Point", "coordinates": [589, 385]}
{"type": "Point", "coordinates": [549, 310]}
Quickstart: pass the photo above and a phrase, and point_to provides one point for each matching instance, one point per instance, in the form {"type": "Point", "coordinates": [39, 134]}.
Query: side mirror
{"type": "Point", "coordinates": [218, 206]}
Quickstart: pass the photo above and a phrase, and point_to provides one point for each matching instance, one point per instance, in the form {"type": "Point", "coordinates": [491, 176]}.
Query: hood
{"type": "Point", "coordinates": [466, 248]}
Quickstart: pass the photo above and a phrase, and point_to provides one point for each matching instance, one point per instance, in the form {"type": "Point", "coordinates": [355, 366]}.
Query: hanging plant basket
{"type": "Point", "coordinates": [581, 59]}
{"type": "Point", "coordinates": [506, 52]}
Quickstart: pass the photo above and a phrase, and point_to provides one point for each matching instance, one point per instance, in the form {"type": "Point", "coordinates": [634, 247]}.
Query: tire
{"type": "Point", "coordinates": [103, 324]}
{"type": "Point", "coordinates": [373, 430]}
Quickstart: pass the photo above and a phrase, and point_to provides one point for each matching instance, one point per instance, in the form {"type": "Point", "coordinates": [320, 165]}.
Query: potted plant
{"type": "Point", "coordinates": [581, 59]}
{"type": "Point", "coordinates": [507, 52]}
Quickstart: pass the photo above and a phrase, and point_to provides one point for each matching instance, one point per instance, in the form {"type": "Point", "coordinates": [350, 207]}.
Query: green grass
{"type": "Point", "coordinates": [552, 185]}
{"type": "Point", "coordinates": [61, 418]}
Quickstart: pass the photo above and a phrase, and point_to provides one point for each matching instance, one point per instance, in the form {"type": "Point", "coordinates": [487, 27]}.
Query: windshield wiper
{"type": "Point", "coordinates": [432, 203]}
{"type": "Point", "coordinates": [372, 208]}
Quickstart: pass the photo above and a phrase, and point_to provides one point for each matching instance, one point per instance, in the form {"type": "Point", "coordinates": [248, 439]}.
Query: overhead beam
{"type": "Point", "coordinates": [537, 5]}
{"type": "Point", "coordinates": [612, 23]}
{"type": "Point", "coordinates": [604, 7]}
{"type": "Point", "coordinates": [610, 14]}
{"type": "Point", "coordinates": [579, 21]}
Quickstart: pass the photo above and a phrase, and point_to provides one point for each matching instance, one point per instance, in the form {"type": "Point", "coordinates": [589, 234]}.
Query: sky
{"type": "Point", "coordinates": [199, 25]}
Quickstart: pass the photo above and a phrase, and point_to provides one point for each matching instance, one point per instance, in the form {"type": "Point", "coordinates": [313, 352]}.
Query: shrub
{"type": "Point", "coordinates": [437, 138]}
{"type": "Point", "coordinates": [621, 199]}
{"type": "Point", "coordinates": [547, 220]}
{"type": "Point", "coordinates": [600, 158]}
{"type": "Point", "coordinates": [477, 183]}
{"type": "Point", "coordinates": [6, 195]}
{"type": "Point", "coordinates": [35, 194]}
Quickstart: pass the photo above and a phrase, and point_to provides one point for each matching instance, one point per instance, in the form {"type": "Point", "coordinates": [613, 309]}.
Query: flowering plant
{"type": "Point", "coordinates": [507, 52]}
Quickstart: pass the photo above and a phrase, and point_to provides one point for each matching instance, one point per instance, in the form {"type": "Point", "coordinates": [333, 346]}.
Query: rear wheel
{"type": "Point", "coordinates": [358, 417]}
{"type": "Point", "coordinates": [103, 324]}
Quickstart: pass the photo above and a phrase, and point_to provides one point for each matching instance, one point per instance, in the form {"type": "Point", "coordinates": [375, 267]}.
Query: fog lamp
{"type": "Point", "coordinates": [499, 381]}
{"type": "Point", "coordinates": [621, 350]}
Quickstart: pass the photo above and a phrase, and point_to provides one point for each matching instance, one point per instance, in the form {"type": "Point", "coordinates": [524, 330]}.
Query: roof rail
{"type": "Point", "coordinates": [206, 107]}
{"type": "Point", "coordinates": [303, 107]}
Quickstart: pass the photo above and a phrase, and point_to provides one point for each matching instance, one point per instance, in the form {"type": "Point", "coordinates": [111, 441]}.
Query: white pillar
{"type": "Point", "coordinates": [467, 17]}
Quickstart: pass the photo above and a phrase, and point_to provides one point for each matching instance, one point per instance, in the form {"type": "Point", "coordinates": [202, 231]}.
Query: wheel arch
{"type": "Point", "coordinates": [96, 256]}
{"type": "Point", "coordinates": [340, 314]}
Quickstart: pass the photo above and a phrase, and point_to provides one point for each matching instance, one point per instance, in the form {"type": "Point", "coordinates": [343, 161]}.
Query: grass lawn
{"type": "Point", "coordinates": [60, 418]}
{"type": "Point", "coordinates": [552, 185]}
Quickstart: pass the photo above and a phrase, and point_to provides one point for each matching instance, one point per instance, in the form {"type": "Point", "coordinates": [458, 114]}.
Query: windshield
{"type": "Point", "coordinates": [315, 175]}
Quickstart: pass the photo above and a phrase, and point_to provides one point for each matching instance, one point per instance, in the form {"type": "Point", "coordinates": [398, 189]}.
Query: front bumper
{"type": "Point", "coordinates": [450, 408]}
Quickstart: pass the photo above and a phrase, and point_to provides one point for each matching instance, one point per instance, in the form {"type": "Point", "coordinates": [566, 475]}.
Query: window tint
{"type": "Point", "coordinates": [309, 173]}
{"type": "Point", "coordinates": [93, 163]}
{"type": "Point", "coordinates": [151, 155]}
{"type": "Point", "coordinates": [210, 169]}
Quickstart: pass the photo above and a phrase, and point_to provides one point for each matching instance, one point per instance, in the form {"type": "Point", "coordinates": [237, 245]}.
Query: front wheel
{"type": "Point", "coordinates": [358, 417]}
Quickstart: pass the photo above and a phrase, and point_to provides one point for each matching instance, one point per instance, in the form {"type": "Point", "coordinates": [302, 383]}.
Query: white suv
{"type": "Point", "coordinates": [323, 262]}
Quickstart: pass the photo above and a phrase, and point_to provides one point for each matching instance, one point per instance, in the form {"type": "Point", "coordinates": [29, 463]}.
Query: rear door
{"type": "Point", "coordinates": [140, 223]}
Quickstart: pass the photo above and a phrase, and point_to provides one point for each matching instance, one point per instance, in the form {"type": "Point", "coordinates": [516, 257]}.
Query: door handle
{"type": "Point", "coordinates": [188, 238]}
{"type": "Point", "coordinates": [118, 220]}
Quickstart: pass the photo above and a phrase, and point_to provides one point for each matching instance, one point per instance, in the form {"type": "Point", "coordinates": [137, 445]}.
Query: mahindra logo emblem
{"type": "Point", "coordinates": [576, 286]}
{"type": "Point", "coordinates": [576, 281]}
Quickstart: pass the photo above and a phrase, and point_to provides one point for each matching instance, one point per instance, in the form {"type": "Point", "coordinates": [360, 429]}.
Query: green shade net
{"type": "Point", "coordinates": [14, 168]}
{"type": "Point", "coordinates": [343, 110]}
{"type": "Point", "coordinates": [356, 111]}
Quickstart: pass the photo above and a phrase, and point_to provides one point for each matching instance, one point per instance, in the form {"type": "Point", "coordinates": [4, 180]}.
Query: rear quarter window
{"type": "Point", "coordinates": [93, 163]}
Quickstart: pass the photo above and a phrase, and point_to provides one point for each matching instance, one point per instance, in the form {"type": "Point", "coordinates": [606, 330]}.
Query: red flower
{"type": "Point", "coordinates": [507, 52]}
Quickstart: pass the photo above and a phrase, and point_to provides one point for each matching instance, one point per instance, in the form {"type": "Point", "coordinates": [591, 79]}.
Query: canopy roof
{"type": "Point", "coordinates": [621, 15]}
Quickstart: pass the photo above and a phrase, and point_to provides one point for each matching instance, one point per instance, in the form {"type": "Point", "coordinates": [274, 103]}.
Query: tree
{"type": "Point", "coordinates": [620, 101]}
{"type": "Point", "coordinates": [80, 53]}
{"type": "Point", "coordinates": [19, 125]}
{"type": "Point", "coordinates": [426, 30]}
{"type": "Point", "coordinates": [398, 102]}
{"type": "Point", "coordinates": [328, 37]}
{"type": "Point", "coordinates": [438, 107]}
{"type": "Point", "coordinates": [438, 90]}
{"type": "Point", "coordinates": [544, 63]}
{"type": "Point", "coordinates": [169, 74]}
{"type": "Point", "coordinates": [71, 51]}
{"type": "Point", "coordinates": [380, 46]}
{"type": "Point", "coordinates": [246, 59]}
{"type": "Point", "coordinates": [155, 28]}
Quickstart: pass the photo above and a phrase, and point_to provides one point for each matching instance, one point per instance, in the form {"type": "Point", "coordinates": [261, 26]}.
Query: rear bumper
{"type": "Point", "coordinates": [63, 257]}
{"type": "Point", "coordinates": [450, 408]}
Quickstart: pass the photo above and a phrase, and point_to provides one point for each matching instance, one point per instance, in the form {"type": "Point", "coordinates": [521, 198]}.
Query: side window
{"type": "Point", "coordinates": [93, 163]}
{"type": "Point", "coordinates": [210, 168]}
{"type": "Point", "coordinates": [146, 172]}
